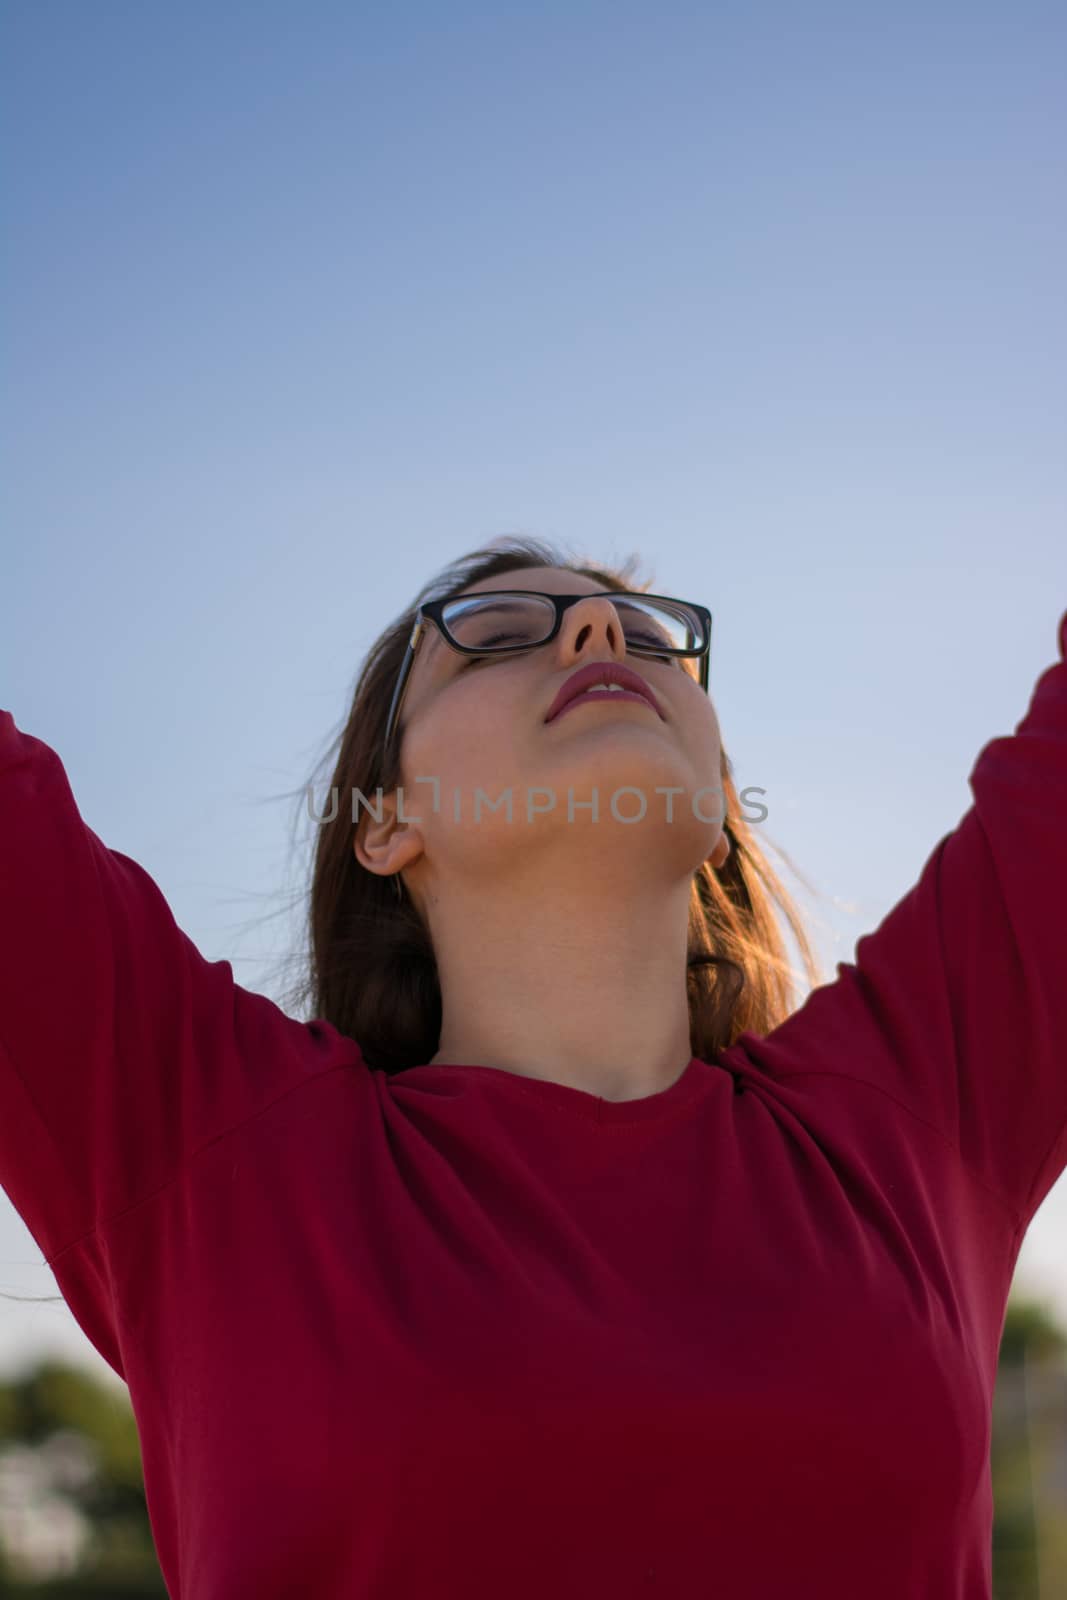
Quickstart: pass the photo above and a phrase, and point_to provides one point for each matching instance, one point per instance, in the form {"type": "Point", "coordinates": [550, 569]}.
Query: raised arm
{"type": "Point", "coordinates": [956, 1004]}
{"type": "Point", "coordinates": [122, 1049]}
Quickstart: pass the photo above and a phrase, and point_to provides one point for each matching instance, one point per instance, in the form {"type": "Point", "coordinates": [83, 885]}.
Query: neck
{"type": "Point", "coordinates": [584, 985]}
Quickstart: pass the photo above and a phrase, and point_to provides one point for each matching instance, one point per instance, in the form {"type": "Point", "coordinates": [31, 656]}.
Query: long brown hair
{"type": "Point", "coordinates": [370, 968]}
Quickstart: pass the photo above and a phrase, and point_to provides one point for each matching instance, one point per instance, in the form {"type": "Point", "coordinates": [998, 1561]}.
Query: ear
{"type": "Point", "coordinates": [721, 850]}
{"type": "Point", "coordinates": [385, 846]}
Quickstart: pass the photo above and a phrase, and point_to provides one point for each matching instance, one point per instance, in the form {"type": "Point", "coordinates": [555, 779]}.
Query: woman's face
{"type": "Point", "coordinates": [476, 723]}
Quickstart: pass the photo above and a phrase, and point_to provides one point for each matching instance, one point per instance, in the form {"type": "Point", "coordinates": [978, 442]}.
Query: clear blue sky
{"type": "Point", "coordinates": [302, 301]}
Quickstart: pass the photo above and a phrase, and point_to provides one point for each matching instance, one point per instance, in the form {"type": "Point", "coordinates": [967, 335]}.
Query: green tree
{"type": "Point", "coordinates": [1029, 1455]}
{"type": "Point", "coordinates": [70, 1453]}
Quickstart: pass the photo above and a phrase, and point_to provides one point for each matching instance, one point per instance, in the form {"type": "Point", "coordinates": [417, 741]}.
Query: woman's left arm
{"type": "Point", "coordinates": [1004, 931]}
{"type": "Point", "coordinates": [956, 1004]}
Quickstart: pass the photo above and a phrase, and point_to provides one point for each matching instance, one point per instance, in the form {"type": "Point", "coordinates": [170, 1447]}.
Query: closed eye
{"type": "Point", "coordinates": [474, 661]}
{"type": "Point", "coordinates": [497, 639]}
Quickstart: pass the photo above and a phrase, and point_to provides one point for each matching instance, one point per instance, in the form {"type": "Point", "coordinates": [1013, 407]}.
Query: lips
{"type": "Point", "coordinates": [598, 674]}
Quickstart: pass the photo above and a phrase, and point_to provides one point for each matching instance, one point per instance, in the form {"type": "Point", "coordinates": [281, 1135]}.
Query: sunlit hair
{"type": "Point", "coordinates": [369, 968]}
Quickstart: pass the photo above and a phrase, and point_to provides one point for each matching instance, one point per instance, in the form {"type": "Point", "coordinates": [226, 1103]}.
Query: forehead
{"type": "Point", "coordinates": [549, 580]}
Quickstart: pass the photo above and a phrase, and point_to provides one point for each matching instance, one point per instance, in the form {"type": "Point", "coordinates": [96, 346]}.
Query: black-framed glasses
{"type": "Point", "coordinates": [506, 620]}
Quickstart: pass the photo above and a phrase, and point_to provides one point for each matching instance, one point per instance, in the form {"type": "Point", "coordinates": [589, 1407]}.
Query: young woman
{"type": "Point", "coordinates": [556, 1253]}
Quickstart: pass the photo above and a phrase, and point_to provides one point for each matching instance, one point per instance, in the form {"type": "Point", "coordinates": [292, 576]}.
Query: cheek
{"type": "Point", "coordinates": [705, 746]}
{"type": "Point", "coordinates": [468, 735]}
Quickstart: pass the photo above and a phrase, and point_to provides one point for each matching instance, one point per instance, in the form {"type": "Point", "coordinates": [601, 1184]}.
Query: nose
{"type": "Point", "coordinates": [590, 627]}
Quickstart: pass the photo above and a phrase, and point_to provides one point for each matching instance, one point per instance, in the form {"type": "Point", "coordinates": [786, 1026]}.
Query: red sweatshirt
{"type": "Point", "coordinates": [460, 1333]}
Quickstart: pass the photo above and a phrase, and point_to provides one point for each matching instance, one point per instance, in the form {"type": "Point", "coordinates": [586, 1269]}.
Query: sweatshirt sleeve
{"type": "Point", "coordinates": [122, 1050]}
{"type": "Point", "coordinates": [956, 1004]}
